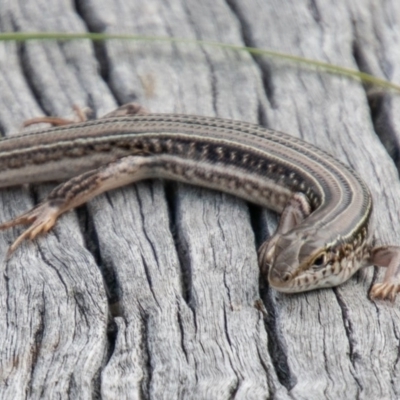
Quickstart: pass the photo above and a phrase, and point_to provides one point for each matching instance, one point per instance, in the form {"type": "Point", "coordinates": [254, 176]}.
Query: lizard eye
{"type": "Point", "coordinates": [319, 261]}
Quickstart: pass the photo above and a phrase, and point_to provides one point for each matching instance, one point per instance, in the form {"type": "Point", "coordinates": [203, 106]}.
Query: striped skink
{"type": "Point", "coordinates": [322, 237]}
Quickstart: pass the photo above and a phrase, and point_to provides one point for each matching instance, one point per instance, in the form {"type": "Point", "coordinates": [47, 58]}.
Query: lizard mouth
{"type": "Point", "coordinates": [330, 276]}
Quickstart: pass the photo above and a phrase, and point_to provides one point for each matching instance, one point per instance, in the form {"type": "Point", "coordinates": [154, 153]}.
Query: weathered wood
{"type": "Point", "coordinates": [153, 290]}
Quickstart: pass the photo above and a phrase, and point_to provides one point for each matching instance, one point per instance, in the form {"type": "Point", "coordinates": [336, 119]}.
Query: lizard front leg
{"type": "Point", "coordinates": [389, 257]}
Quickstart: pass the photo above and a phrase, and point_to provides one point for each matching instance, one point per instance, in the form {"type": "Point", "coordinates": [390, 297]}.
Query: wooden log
{"type": "Point", "coordinates": [153, 290]}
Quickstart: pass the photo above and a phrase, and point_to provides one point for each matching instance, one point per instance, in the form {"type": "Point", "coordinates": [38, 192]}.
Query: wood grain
{"type": "Point", "coordinates": [153, 291]}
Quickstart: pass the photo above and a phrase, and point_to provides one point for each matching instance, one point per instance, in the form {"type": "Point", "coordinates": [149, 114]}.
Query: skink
{"type": "Point", "coordinates": [322, 238]}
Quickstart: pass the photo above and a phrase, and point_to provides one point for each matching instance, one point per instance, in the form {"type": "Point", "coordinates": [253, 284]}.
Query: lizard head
{"type": "Point", "coordinates": [298, 262]}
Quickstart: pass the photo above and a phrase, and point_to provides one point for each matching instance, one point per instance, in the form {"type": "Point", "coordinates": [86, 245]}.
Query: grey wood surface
{"type": "Point", "coordinates": [153, 291]}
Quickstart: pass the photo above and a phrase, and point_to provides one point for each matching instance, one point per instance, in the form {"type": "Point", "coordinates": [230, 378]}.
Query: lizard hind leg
{"type": "Point", "coordinates": [75, 192]}
{"type": "Point", "coordinates": [42, 218]}
{"type": "Point", "coordinates": [83, 114]}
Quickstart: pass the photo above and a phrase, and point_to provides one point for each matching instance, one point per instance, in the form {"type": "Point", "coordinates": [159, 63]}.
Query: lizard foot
{"type": "Point", "coordinates": [42, 218]}
{"type": "Point", "coordinates": [385, 291]}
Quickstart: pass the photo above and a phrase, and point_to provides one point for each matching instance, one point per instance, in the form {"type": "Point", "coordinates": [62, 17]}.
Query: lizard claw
{"type": "Point", "coordinates": [42, 218]}
{"type": "Point", "coordinates": [385, 291]}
